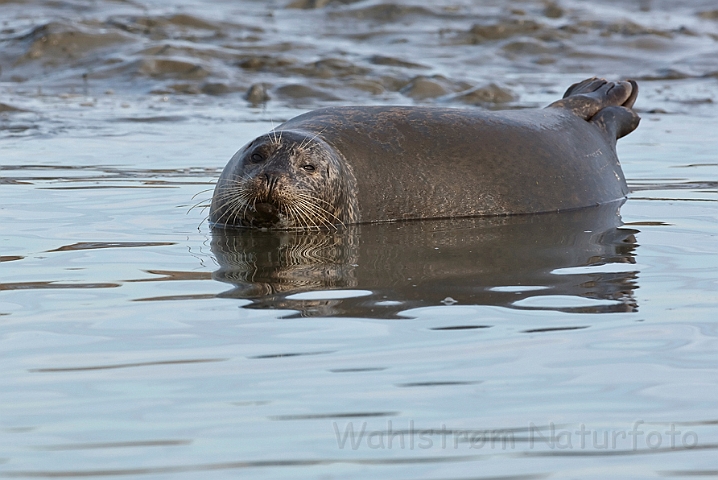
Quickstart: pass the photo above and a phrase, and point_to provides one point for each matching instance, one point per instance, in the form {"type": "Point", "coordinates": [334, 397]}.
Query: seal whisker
{"type": "Point", "coordinates": [316, 211]}
{"type": "Point", "coordinates": [301, 208]}
{"type": "Point", "coordinates": [238, 179]}
{"type": "Point", "coordinates": [298, 218]}
{"type": "Point", "coordinates": [230, 211]}
{"type": "Point", "coordinates": [309, 211]}
{"type": "Point", "coordinates": [313, 202]}
{"type": "Point", "coordinates": [308, 200]}
{"type": "Point", "coordinates": [300, 215]}
{"type": "Point", "coordinates": [312, 198]}
{"type": "Point", "coordinates": [200, 193]}
{"type": "Point", "coordinates": [236, 208]}
{"type": "Point", "coordinates": [228, 208]}
{"type": "Point", "coordinates": [198, 204]}
{"type": "Point", "coordinates": [273, 133]}
{"type": "Point", "coordinates": [319, 213]}
{"type": "Point", "coordinates": [226, 194]}
{"type": "Point", "coordinates": [307, 141]}
{"type": "Point", "coordinates": [233, 207]}
{"type": "Point", "coordinates": [230, 194]}
{"type": "Point", "coordinates": [244, 211]}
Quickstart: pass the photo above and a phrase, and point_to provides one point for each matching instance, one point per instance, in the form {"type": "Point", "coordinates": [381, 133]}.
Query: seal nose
{"type": "Point", "coordinates": [271, 180]}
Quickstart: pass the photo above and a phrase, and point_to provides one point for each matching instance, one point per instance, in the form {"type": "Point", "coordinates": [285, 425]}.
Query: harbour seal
{"type": "Point", "coordinates": [345, 165]}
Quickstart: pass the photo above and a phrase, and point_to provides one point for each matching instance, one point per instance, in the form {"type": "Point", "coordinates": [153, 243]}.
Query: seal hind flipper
{"type": "Point", "coordinates": [617, 122]}
{"type": "Point", "coordinates": [592, 95]}
{"type": "Point", "coordinates": [608, 105]}
{"type": "Point", "coordinates": [589, 85]}
{"type": "Point", "coordinates": [632, 97]}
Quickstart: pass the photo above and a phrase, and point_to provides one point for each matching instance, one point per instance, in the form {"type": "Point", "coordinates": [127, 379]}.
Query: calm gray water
{"type": "Point", "coordinates": [136, 343]}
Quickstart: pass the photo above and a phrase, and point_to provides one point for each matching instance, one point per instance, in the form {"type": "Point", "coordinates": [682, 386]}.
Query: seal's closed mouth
{"type": "Point", "coordinates": [264, 214]}
{"type": "Point", "coordinates": [266, 209]}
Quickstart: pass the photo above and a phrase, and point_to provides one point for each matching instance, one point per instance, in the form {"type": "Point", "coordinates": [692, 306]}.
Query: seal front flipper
{"type": "Point", "coordinates": [585, 99]}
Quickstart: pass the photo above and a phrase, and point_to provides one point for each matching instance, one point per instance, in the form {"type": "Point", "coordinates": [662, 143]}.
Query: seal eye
{"type": "Point", "coordinates": [308, 168]}
{"type": "Point", "coordinates": [256, 157]}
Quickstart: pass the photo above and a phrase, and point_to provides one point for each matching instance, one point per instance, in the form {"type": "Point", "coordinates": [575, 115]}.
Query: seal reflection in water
{"type": "Point", "coordinates": [347, 165]}
{"type": "Point", "coordinates": [418, 264]}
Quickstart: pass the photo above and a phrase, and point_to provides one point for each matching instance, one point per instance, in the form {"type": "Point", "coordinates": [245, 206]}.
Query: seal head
{"type": "Point", "coordinates": [285, 180]}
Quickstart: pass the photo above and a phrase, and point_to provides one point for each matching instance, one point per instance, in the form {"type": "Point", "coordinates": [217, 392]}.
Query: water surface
{"type": "Point", "coordinates": [136, 343]}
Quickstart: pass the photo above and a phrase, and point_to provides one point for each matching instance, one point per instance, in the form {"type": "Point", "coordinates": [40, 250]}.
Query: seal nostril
{"type": "Point", "coordinates": [271, 182]}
